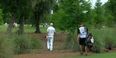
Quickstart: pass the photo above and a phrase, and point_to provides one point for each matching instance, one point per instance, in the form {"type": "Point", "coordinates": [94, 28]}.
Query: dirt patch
{"type": "Point", "coordinates": [55, 54]}
{"type": "Point", "coordinates": [46, 55]}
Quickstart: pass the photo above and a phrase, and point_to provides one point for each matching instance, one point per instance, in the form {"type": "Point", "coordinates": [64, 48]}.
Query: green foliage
{"type": "Point", "coordinates": [71, 42]}
{"type": "Point", "coordinates": [99, 10]}
{"type": "Point", "coordinates": [36, 44]}
{"type": "Point", "coordinates": [112, 7]}
{"type": "Point", "coordinates": [22, 44]}
{"type": "Point", "coordinates": [71, 13]}
{"type": "Point", "coordinates": [6, 47]}
{"type": "Point", "coordinates": [104, 37]}
{"type": "Point", "coordinates": [101, 15]}
{"type": "Point", "coordinates": [25, 44]}
{"type": "Point", "coordinates": [59, 18]}
{"type": "Point", "coordinates": [1, 17]}
{"type": "Point", "coordinates": [11, 44]}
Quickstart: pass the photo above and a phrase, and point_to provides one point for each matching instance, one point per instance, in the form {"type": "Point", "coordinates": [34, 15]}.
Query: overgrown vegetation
{"type": "Point", "coordinates": [73, 12]}
{"type": "Point", "coordinates": [104, 38]}
{"type": "Point", "coordinates": [1, 17]}
{"type": "Point", "coordinates": [25, 44]}
{"type": "Point", "coordinates": [68, 14]}
{"type": "Point", "coordinates": [6, 47]}
{"type": "Point", "coordinates": [17, 44]}
{"type": "Point", "coordinates": [71, 41]}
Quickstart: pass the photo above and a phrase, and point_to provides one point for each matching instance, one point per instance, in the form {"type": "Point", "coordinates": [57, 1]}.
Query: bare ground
{"type": "Point", "coordinates": [47, 55]}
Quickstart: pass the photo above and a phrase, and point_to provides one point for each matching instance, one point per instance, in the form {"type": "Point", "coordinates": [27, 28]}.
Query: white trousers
{"type": "Point", "coordinates": [50, 41]}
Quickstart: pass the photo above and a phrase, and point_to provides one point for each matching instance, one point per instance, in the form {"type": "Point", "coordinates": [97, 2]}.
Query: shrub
{"type": "Point", "coordinates": [22, 44]}
{"type": "Point", "coordinates": [104, 38]}
{"type": "Point", "coordinates": [25, 44]}
{"type": "Point", "coordinates": [6, 47]}
{"type": "Point", "coordinates": [110, 38]}
{"type": "Point", "coordinates": [11, 44]}
{"type": "Point", "coordinates": [71, 41]}
{"type": "Point", "coordinates": [1, 17]}
{"type": "Point", "coordinates": [36, 44]}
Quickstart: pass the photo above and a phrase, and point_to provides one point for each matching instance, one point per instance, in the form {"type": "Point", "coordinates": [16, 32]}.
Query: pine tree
{"type": "Point", "coordinates": [71, 13]}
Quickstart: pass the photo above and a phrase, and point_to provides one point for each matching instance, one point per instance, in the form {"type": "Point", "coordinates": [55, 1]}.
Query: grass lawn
{"type": "Point", "coordinates": [27, 28]}
{"type": "Point", "coordinates": [101, 55]}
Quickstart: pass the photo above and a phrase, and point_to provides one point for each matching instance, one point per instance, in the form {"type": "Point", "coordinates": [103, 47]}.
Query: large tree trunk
{"type": "Point", "coordinates": [10, 25]}
{"type": "Point", "coordinates": [37, 27]}
{"type": "Point", "coordinates": [37, 23]}
{"type": "Point", "coordinates": [21, 26]}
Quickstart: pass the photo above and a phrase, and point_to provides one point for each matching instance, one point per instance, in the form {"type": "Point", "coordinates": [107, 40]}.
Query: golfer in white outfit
{"type": "Point", "coordinates": [50, 37]}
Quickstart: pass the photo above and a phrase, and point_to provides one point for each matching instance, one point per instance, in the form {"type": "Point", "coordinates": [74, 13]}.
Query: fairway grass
{"type": "Point", "coordinates": [27, 28]}
{"type": "Point", "coordinates": [101, 55]}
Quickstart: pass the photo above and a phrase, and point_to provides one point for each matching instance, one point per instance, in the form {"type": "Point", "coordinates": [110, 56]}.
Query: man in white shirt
{"type": "Point", "coordinates": [50, 37]}
{"type": "Point", "coordinates": [82, 37]}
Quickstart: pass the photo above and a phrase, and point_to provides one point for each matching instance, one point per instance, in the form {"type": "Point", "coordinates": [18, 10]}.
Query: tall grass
{"type": "Point", "coordinates": [6, 47]}
{"type": "Point", "coordinates": [11, 44]}
{"type": "Point", "coordinates": [25, 44]}
{"type": "Point", "coordinates": [71, 41]}
{"type": "Point", "coordinates": [104, 38]}
{"type": "Point", "coordinates": [22, 43]}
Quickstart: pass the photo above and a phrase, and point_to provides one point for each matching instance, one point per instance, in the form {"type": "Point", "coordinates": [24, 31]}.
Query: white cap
{"type": "Point", "coordinates": [51, 24]}
{"type": "Point", "coordinates": [52, 11]}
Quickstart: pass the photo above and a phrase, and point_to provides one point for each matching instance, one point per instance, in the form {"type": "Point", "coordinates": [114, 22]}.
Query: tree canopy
{"type": "Point", "coordinates": [68, 14]}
